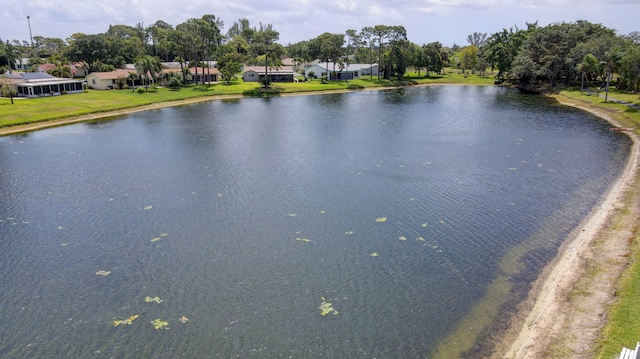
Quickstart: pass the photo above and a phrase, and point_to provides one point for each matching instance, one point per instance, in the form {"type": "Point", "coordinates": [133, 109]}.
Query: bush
{"type": "Point", "coordinates": [324, 79]}
{"type": "Point", "coordinates": [140, 90]}
{"type": "Point", "coordinates": [355, 87]}
{"type": "Point", "coordinates": [262, 92]}
{"type": "Point", "coordinates": [174, 82]}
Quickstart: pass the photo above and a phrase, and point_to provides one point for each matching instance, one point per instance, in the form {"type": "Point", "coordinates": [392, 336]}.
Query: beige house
{"type": "Point", "coordinates": [107, 80]}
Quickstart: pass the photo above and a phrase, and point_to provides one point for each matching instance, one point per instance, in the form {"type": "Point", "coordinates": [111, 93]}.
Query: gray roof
{"type": "Point", "coordinates": [36, 76]}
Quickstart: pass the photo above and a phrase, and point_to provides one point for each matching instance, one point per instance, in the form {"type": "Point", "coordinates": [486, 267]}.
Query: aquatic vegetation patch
{"type": "Point", "coordinates": [148, 208]}
{"type": "Point", "coordinates": [103, 273]}
{"type": "Point", "coordinates": [159, 324]}
{"type": "Point", "coordinates": [183, 319]}
{"type": "Point", "coordinates": [381, 219]}
{"type": "Point", "coordinates": [374, 254]}
{"type": "Point", "coordinates": [326, 307]}
{"type": "Point", "coordinates": [159, 238]}
{"type": "Point", "coordinates": [304, 240]}
{"type": "Point", "coordinates": [154, 299]}
{"type": "Point", "coordinates": [402, 238]}
{"type": "Point", "coordinates": [127, 321]}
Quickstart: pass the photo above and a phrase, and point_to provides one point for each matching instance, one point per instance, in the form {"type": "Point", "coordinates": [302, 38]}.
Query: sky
{"type": "Point", "coordinates": [447, 21]}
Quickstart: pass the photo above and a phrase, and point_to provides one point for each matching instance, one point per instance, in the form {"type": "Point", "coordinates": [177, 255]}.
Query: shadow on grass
{"type": "Point", "coordinates": [200, 88]}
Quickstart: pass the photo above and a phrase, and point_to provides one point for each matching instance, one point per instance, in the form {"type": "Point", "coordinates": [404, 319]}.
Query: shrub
{"type": "Point", "coordinates": [140, 90]}
{"type": "Point", "coordinates": [355, 87]}
{"type": "Point", "coordinates": [262, 92]}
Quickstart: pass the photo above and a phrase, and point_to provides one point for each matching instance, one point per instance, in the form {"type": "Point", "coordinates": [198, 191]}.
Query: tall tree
{"type": "Point", "coordinates": [612, 60]}
{"type": "Point", "coordinates": [157, 32]}
{"type": "Point", "coordinates": [477, 39]}
{"type": "Point", "coordinates": [380, 32]}
{"type": "Point", "coordinates": [397, 39]}
{"type": "Point", "coordinates": [629, 69]}
{"type": "Point", "coordinates": [588, 65]}
{"type": "Point", "coordinates": [211, 38]}
{"type": "Point", "coordinates": [367, 37]}
{"type": "Point", "coordinates": [264, 43]}
{"type": "Point", "coordinates": [433, 61]}
{"type": "Point", "coordinates": [353, 40]}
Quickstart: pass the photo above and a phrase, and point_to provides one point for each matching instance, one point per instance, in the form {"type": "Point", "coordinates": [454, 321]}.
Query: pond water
{"type": "Point", "coordinates": [405, 209]}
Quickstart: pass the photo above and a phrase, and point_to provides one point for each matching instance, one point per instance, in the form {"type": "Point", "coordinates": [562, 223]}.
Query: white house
{"type": "Point", "coordinates": [354, 71]}
{"type": "Point", "coordinates": [37, 84]}
{"type": "Point", "coordinates": [257, 73]}
{"type": "Point", "coordinates": [21, 64]}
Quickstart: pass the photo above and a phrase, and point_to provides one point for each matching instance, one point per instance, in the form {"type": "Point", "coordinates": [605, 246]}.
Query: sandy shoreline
{"type": "Point", "coordinates": [567, 305]}
{"type": "Point", "coordinates": [551, 314]}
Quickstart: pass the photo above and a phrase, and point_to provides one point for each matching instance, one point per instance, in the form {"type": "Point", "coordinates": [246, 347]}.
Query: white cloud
{"type": "Point", "coordinates": [447, 21]}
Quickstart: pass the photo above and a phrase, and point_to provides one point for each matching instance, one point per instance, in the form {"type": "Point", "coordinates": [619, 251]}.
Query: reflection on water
{"type": "Point", "coordinates": [244, 217]}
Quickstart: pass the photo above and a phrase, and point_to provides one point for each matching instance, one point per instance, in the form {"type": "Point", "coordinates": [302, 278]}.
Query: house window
{"type": "Point", "coordinates": [93, 81]}
{"type": "Point", "coordinates": [355, 74]}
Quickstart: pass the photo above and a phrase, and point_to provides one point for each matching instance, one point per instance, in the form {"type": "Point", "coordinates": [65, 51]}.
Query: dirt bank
{"type": "Point", "coordinates": [566, 308]}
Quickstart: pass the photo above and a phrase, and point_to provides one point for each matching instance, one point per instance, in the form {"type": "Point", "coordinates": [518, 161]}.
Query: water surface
{"type": "Point", "coordinates": [395, 206]}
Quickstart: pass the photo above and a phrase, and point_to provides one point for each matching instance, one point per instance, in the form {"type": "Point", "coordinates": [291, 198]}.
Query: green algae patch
{"type": "Point", "coordinates": [160, 324]}
{"type": "Point", "coordinates": [127, 321]}
{"type": "Point", "coordinates": [154, 299]}
{"type": "Point", "coordinates": [326, 308]}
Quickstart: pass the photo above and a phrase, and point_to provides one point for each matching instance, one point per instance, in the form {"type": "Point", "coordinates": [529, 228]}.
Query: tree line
{"type": "Point", "coordinates": [560, 54]}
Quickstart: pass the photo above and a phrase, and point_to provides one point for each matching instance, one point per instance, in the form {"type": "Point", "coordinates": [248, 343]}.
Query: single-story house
{"type": "Point", "coordinates": [49, 67]}
{"type": "Point", "coordinates": [107, 80]}
{"type": "Point", "coordinates": [291, 62]}
{"type": "Point", "coordinates": [37, 84]}
{"type": "Point", "coordinates": [257, 73]}
{"type": "Point", "coordinates": [354, 71]}
{"type": "Point", "coordinates": [209, 74]}
{"type": "Point", "coordinates": [80, 70]}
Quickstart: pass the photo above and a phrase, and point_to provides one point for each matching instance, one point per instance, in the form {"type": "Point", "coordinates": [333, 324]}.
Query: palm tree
{"type": "Point", "coordinates": [589, 65]}
{"type": "Point", "coordinates": [61, 70]}
{"type": "Point", "coordinates": [149, 68]}
{"type": "Point", "coordinates": [612, 59]}
{"type": "Point", "coordinates": [132, 76]}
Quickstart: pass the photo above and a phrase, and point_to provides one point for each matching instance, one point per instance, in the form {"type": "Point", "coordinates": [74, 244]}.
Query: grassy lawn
{"type": "Point", "coordinates": [621, 329]}
{"type": "Point", "coordinates": [25, 111]}
{"type": "Point", "coordinates": [629, 116]}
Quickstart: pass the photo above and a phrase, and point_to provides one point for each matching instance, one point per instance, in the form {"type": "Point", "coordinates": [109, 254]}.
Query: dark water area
{"type": "Point", "coordinates": [244, 216]}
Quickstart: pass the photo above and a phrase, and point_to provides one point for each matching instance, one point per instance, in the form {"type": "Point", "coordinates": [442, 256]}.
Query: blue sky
{"type": "Point", "coordinates": [447, 21]}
